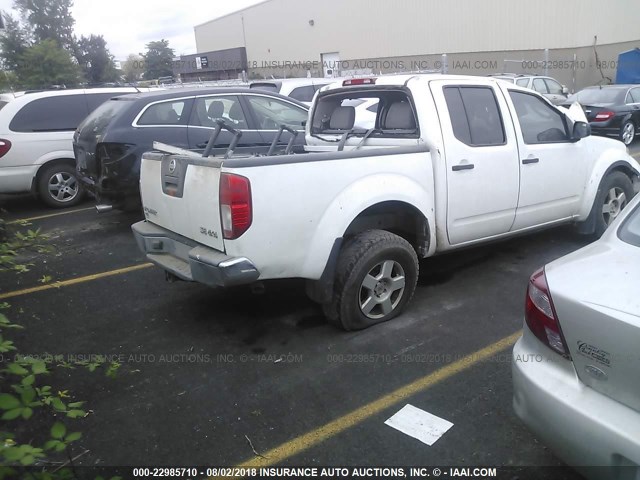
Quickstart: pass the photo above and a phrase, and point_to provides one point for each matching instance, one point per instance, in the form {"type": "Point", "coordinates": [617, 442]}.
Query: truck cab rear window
{"type": "Point", "coordinates": [389, 113]}
{"type": "Point", "coordinates": [475, 115]}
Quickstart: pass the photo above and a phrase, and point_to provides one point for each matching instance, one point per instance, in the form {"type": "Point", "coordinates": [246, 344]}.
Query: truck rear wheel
{"type": "Point", "coordinates": [376, 277]}
{"type": "Point", "coordinates": [616, 191]}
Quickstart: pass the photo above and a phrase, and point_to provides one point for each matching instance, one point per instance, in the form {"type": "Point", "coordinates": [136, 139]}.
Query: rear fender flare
{"type": "Point", "coordinates": [356, 198]}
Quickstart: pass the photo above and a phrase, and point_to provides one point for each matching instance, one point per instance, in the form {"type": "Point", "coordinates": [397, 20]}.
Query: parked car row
{"type": "Point", "coordinates": [35, 141]}
{"type": "Point", "coordinates": [36, 129]}
{"type": "Point", "coordinates": [383, 172]}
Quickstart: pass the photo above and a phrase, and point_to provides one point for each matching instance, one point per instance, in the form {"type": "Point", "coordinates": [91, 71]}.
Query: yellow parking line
{"type": "Point", "coordinates": [74, 281]}
{"type": "Point", "coordinates": [40, 217]}
{"type": "Point", "coordinates": [319, 435]}
{"type": "Point", "coordinates": [636, 155]}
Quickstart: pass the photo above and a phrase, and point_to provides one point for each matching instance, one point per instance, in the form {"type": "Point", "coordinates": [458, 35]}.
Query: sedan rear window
{"type": "Point", "coordinates": [589, 96]}
{"type": "Point", "coordinates": [630, 230]}
{"type": "Point", "coordinates": [96, 123]}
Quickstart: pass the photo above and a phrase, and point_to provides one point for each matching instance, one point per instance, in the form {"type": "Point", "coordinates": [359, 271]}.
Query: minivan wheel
{"type": "Point", "coordinates": [59, 187]}
{"type": "Point", "coordinates": [627, 132]}
{"type": "Point", "coordinates": [616, 191]}
{"type": "Point", "coordinates": [376, 276]}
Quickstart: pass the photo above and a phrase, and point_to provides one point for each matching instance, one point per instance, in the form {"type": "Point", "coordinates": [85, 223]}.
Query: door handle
{"type": "Point", "coordinates": [463, 166]}
{"type": "Point", "coordinates": [527, 161]}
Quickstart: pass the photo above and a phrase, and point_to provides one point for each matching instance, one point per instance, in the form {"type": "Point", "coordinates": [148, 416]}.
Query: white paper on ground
{"type": "Point", "coordinates": [419, 424]}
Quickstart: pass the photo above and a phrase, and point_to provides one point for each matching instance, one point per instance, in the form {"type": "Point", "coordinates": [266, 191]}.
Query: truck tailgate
{"type": "Point", "coordinates": [181, 194]}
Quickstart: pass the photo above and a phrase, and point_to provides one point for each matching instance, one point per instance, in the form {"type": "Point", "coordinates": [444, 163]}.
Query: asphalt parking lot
{"type": "Point", "coordinates": [205, 370]}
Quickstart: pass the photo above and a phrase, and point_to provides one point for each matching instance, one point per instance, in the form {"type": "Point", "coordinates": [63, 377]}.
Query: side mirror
{"type": "Point", "coordinates": [581, 130]}
{"type": "Point", "coordinates": [565, 90]}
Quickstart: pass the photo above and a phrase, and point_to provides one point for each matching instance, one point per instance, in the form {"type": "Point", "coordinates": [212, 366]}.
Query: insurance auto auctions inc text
{"type": "Point", "coordinates": [373, 472]}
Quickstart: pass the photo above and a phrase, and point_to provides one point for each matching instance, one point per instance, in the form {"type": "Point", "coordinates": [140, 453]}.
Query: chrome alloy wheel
{"type": "Point", "coordinates": [63, 187]}
{"type": "Point", "coordinates": [382, 289]}
{"type": "Point", "coordinates": [628, 133]}
{"type": "Point", "coordinates": [614, 202]}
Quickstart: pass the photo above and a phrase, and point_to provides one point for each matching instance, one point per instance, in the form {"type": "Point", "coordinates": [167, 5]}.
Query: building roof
{"type": "Point", "coordinates": [235, 12]}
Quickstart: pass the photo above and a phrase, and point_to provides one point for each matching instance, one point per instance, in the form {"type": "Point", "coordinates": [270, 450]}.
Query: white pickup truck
{"type": "Point", "coordinates": [453, 161]}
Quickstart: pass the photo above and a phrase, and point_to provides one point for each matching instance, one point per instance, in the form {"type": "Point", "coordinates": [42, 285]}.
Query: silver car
{"type": "Point", "coordinates": [548, 87]}
{"type": "Point", "coordinates": [576, 369]}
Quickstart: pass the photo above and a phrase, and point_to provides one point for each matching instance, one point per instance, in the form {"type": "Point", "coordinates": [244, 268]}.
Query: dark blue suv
{"type": "Point", "coordinates": [109, 144]}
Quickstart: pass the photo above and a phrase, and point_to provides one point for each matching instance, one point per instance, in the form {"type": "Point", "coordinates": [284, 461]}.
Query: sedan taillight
{"type": "Point", "coordinates": [604, 115]}
{"type": "Point", "coordinates": [541, 315]}
{"type": "Point", "coordinates": [5, 146]}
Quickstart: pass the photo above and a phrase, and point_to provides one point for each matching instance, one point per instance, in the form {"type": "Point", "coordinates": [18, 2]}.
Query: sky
{"type": "Point", "coordinates": [128, 25]}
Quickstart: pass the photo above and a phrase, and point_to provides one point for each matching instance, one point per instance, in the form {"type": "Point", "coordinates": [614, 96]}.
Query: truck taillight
{"type": "Point", "coordinates": [235, 205]}
{"type": "Point", "coordinates": [606, 115]}
{"type": "Point", "coordinates": [541, 315]}
{"type": "Point", "coordinates": [5, 146]}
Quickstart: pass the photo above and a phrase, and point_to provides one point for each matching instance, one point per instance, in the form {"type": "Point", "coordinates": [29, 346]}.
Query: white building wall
{"type": "Point", "coordinates": [279, 30]}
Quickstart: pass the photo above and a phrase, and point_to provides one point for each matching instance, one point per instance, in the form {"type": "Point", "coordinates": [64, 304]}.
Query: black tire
{"type": "Point", "coordinates": [627, 132]}
{"type": "Point", "coordinates": [612, 185]}
{"type": "Point", "coordinates": [369, 253]}
{"type": "Point", "coordinates": [58, 186]}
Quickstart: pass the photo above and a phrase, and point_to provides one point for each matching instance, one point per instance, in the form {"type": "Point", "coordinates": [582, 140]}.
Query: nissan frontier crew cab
{"type": "Point", "coordinates": [451, 162]}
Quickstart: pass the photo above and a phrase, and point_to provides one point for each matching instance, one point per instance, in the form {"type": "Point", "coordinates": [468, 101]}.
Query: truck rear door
{"type": "Point", "coordinates": [481, 155]}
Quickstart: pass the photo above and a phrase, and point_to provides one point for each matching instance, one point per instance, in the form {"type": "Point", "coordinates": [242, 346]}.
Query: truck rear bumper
{"type": "Point", "coordinates": [192, 262]}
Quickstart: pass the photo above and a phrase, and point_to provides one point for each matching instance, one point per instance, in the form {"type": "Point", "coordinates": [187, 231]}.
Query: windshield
{"type": "Point", "coordinates": [598, 95]}
{"type": "Point", "coordinates": [96, 123]}
{"type": "Point", "coordinates": [630, 230]}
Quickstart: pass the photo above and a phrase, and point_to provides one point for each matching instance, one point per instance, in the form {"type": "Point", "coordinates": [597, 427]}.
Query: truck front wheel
{"type": "Point", "coordinates": [376, 277]}
{"type": "Point", "coordinates": [616, 190]}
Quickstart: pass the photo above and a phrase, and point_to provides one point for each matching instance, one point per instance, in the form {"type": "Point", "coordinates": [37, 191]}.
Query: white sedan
{"type": "Point", "coordinates": [576, 369]}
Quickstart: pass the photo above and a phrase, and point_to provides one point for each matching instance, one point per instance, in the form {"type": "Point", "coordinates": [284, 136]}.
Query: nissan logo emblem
{"type": "Point", "coordinates": [172, 165]}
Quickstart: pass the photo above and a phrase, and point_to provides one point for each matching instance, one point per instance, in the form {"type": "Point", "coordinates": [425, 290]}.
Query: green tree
{"type": "Point", "coordinates": [133, 68]}
{"type": "Point", "coordinates": [96, 61]}
{"type": "Point", "coordinates": [45, 64]}
{"type": "Point", "coordinates": [49, 20]}
{"type": "Point", "coordinates": [13, 43]}
{"type": "Point", "coordinates": [158, 59]}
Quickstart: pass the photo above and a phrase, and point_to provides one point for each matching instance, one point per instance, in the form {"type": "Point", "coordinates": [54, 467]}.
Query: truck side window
{"type": "Point", "coordinates": [475, 115]}
{"type": "Point", "coordinates": [539, 121]}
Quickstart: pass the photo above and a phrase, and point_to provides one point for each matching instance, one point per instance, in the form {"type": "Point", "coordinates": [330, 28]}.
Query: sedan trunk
{"type": "Point", "coordinates": [595, 294]}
